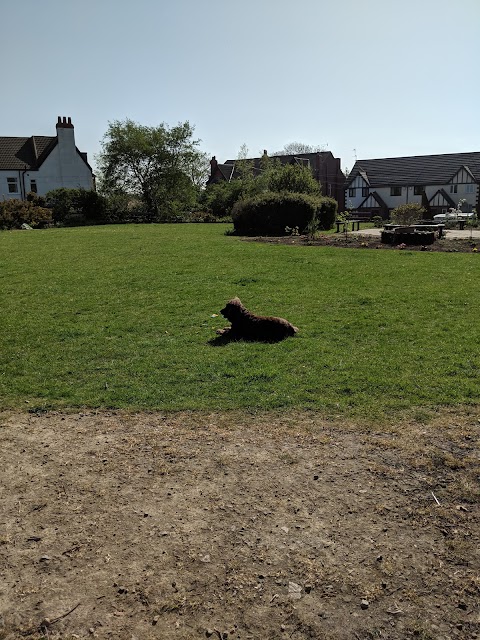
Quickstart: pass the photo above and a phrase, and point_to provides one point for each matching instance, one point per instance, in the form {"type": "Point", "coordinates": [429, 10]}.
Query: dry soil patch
{"type": "Point", "coordinates": [193, 525]}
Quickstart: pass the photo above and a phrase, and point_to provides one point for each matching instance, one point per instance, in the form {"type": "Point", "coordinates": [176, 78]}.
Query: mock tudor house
{"type": "Point", "coordinates": [324, 166]}
{"type": "Point", "coordinates": [437, 182]}
{"type": "Point", "coordinates": [43, 163]}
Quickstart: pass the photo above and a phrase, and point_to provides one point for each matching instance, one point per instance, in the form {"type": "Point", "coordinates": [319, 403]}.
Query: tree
{"type": "Point", "coordinates": [161, 165]}
{"type": "Point", "coordinates": [297, 148]}
{"type": "Point", "coordinates": [244, 166]}
{"type": "Point", "coordinates": [293, 178]}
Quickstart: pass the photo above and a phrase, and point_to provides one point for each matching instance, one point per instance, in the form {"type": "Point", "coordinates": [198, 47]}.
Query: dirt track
{"type": "Point", "coordinates": [238, 526]}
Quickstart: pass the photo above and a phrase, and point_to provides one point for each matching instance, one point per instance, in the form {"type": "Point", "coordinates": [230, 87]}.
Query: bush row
{"type": "Point", "coordinates": [272, 213]}
{"type": "Point", "coordinates": [61, 206]}
{"type": "Point", "coordinates": [32, 211]}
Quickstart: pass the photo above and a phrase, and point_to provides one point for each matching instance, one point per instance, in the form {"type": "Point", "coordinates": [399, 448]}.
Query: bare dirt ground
{"type": "Point", "coordinates": [370, 239]}
{"type": "Point", "coordinates": [190, 525]}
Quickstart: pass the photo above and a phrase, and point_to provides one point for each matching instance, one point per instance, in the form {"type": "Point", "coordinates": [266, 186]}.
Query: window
{"type": "Point", "coordinates": [395, 191]}
{"type": "Point", "coordinates": [470, 188]}
{"type": "Point", "coordinates": [12, 185]}
{"type": "Point", "coordinates": [453, 188]}
{"type": "Point", "coordinates": [33, 186]}
{"type": "Point", "coordinates": [364, 192]}
{"type": "Point", "coordinates": [417, 191]}
{"type": "Point", "coordinates": [352, 192]}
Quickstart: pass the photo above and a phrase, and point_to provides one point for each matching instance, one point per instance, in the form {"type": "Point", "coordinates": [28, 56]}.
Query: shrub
{"type": "Point", "coordinates": [272, 213]}
{"type": "Point", "coordinates": [14, 213]}
{"type": "Point", "coordinates": [407, 213]}
{"type": "Point", "coordinates": [377, 221]}
{"type": "Point", "coordinates": [66, 203]}
{"type": "Point", "coordinates": [220, 198]}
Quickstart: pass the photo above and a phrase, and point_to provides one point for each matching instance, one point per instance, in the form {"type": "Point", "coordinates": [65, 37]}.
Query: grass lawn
{"type": "Point", "coordinates": [121, 316]}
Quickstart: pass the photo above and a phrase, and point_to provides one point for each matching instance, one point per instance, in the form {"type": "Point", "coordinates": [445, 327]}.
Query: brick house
{"type": "Point", "coordinates": [324, 166]}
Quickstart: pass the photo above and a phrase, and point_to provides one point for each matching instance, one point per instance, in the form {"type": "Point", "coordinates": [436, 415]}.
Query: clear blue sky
{"type": "Point", "coordinates": [384, 77]}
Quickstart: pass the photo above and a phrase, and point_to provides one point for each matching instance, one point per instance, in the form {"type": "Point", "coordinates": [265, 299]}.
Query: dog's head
{"type": "Point", "coordinates": [232, 309]}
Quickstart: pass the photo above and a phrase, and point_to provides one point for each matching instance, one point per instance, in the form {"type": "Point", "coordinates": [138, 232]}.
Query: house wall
{"type": "Point", "coordinates": [407, 194]}
{"type": "Point", "coordinates": [4, 191]}
{"type": "Point", "coordinates": [63, 167]}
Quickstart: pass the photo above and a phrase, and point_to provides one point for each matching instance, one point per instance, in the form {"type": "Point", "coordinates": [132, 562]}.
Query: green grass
{"type": "Point", "coordinates": [120, 316]}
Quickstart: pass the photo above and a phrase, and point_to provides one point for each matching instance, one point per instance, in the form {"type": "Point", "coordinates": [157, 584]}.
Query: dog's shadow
{"type": "Point", "coordinates": [227, 338]}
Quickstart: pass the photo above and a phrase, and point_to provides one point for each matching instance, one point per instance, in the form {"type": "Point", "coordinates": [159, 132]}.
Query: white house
{"type": "Point", "coordinates": [437, 182]}
{"type": "Point", "coordinates": [43, 163]}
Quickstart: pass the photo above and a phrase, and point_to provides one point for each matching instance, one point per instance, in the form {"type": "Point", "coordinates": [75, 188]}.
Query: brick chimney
{"type": "Point", "coordinates": [67, 151]}
{"type": "Point", "coordinates": [66, 123]}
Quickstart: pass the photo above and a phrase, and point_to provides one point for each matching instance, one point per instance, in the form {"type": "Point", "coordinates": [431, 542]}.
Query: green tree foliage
{"type": "Point", "coordinates": [76, 206]}
{"type": "Point", "coordinates": [219, 198]}
{"type": "Point", "coordinates": [160, 165]}
{"type": "Point", "coordinates": [292, 178]}
{"type": "Point", "coordinates": [407, 213]}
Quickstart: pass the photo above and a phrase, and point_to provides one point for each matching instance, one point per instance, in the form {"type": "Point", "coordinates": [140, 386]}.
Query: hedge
{"type": "Point", "coordinates": [271, 213]}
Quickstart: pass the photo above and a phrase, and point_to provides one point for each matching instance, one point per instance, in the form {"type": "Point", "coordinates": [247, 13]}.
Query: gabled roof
{"type": "Point", "coordinates": [226, 170]}
{"type": "Point", "coordinates": [466, 169]}
{"type": "Point", "coordinates": [364, 175]}
{"type": "Point", "coordinates": [447, 199]}
{"type": "Point", "coordinates": [415, 170]}
{"type": "Point", "coordinates": [25, 153]}
{"type": "Point", "coordinates": [376, 197]}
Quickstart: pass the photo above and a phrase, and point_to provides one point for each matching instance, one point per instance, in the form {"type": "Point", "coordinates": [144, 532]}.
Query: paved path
{"type": "Point", "coordinates": [450, 233]}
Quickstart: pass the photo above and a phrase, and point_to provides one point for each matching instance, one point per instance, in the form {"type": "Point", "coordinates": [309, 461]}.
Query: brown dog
{"type": "Point", "coordinates": [248, 326]}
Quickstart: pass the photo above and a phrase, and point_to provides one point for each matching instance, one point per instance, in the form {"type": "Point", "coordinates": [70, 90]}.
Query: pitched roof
{"type": "Point", "coordinates": [25, 153]}
{"type": "Point", "coordinates": [416, 170]}
{"type": "Point", "coordinates": [295, 158]}
{"type": "Point", "coordinates": [226, 170]}
{"type": "Point", "coordinates": [447, 199]}
{"type": "Point", "coordinates": [377, 198]}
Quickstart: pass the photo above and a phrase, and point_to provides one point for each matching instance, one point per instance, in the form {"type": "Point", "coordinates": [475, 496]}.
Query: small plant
{"type": "Point", "coordinates": [292, 231]}
{"type": "Point", "coordinates": [377, 221]}
{"type": "Point", "coordinates": [407, 213]}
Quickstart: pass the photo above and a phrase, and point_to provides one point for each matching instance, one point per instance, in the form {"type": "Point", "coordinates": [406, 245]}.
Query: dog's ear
{"type": "Point", "coordinates": [236, 302]}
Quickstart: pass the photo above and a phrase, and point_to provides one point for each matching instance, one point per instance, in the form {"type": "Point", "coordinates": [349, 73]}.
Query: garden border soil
{"type": "Point", "coordinates": [364, 242]}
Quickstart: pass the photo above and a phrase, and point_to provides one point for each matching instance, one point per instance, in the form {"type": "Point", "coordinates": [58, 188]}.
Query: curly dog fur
{"type": "Point", "coordinates": [248, 326]}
